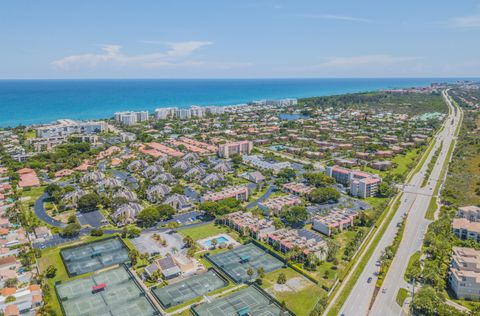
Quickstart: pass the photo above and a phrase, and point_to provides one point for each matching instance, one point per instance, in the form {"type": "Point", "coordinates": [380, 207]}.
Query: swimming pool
{"type": "Point", "coordinates": [220, 240]}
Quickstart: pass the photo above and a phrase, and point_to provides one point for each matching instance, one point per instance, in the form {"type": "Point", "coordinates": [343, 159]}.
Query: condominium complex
{"type": "Point", "coordinates": [229, 149]}
{"type": "Point", "coordinates": [297, 188]}
{"type": "Point", "coordinates": [472, 213]}
{"type": "Point", "coordinates": [307, 242]}
{"type": "Point", "coordinates": [239, 192]}
{"type": "Point", "coordinates": [66, 127]}
{"type": "Point", "coordinates": [248, 224]}
{"type": "Point", "coordinates": [164, 113]}
{"type": "Point", "coordinates": [464, 273]}
{"type": "Point", "coordinates": [337, 219]}
{"type": "Point", "coordinates": [131, 117]}
{"type": "Point", "coordinates": [466, 229]}
{"type": "Point", "coordinates": [361, 184]}
{"type": "Point", "coordinates": [262, 164]}
{"type": "Point", "coordinates": [277, 204]}
{"type": "Point", "coordinates": [187, 113]}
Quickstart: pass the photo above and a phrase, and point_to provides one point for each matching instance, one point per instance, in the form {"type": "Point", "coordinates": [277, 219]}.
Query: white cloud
{"type": "Point", "coordinates": [178, 54]}
{"type": "Point", "coordinates": [336, 17]}
{"type": "Point", "coordinates": [363, 61]}
{"type": "Point", "coordinates": [185, 48]}
{"type": "Point", "coordinates": [466, 22]}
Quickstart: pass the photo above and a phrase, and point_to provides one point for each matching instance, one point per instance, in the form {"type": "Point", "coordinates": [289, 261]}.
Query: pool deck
{"type": "Point", "coordinates": [205, 243]}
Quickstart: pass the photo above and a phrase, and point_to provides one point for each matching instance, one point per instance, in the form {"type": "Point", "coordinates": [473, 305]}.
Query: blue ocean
{"type": "Point", "coordinates": [43, 101]}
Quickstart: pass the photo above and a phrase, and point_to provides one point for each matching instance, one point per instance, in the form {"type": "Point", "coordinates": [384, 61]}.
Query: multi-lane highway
{"type": "Point", "coordinates": [414, 203]}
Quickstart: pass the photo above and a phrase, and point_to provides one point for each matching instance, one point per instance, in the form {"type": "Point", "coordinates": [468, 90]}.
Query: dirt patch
{"type": "Point", "coordinates": [292, 285]}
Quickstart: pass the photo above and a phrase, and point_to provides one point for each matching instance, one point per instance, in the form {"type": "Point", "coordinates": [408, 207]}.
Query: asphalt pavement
{"type": "Point", "coordinates": [414, 203]}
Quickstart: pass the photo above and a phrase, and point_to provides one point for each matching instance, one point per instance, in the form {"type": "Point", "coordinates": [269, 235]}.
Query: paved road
{"type": "Point", "coordinates": [42, 213]}
{"type": "Point", "coordinates": [417, 225]}
{"type": "Point", "coordinates": [265, 196]}
{"type": "Point", "coordinates": [414, 202]}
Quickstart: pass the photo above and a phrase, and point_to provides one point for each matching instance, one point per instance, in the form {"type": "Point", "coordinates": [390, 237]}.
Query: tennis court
{"type": "Point", "coordinates": [188, 289]}
{"type": "Point", "coordinates": [94, 256]}
{"type": "Point", "coordinates": [247, 301]}
{"type": "Point", "coordinates": [121, 296]}
{"type": "Point", "coordinates": [236, 262]}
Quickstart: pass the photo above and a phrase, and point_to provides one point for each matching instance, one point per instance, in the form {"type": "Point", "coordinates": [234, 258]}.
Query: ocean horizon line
{"type": "Point", "coordinates": [37, 101]}
{"type": "Point", "coordinates": [243, 78]}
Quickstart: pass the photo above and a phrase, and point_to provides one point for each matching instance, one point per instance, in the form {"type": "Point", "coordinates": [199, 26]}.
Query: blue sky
{"type": "Point", "coordinates": [239, 39]}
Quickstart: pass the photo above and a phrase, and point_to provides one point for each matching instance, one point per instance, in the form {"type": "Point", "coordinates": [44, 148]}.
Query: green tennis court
{"type": "Point", "coordinates": [236, 262]}
{"type": "Point", "coordinates": [121, 296]}
{"type": "Point", "coordinates": [94, 256]}
{"type": "Point", "coordinates": [188, 289]}
{"type": "Point", "coordinates": [247, 301]}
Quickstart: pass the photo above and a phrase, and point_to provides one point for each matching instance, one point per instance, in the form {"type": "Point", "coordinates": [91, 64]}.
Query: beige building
{"type": "Point", "coordinates": [229, 149]}
{"type": "Point", "coordinates": [464, 274]}
{"type": "Point", "coordinates": [466, 229]}
{"type": "Point", "coordinates": [472, 213]}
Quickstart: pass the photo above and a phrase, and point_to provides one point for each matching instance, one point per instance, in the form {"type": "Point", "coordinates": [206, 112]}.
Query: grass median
{"type": "Point", "coordinates": [384, 221]}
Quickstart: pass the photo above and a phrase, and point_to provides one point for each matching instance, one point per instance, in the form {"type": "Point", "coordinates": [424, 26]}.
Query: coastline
{"type": "Point", "coordinates": [30, 102]}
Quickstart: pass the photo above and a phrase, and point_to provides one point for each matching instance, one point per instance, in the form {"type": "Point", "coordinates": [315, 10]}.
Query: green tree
{"type": "Point", "coordinates": [51, 271]}
{"type": "Point", "coordinates": [12, 282]}
{"type": "Point", "coordinates": [295, 215]}
{"type": "Point", "coordinates": [88, 202]}
{"type": "Point", "coordinates": [133, 255]}
{"type": "Point", "coordinates": [322, 195]}
{"type": "Point", "coordinates": [286, 175]}
{"type": "Point", "coordinates": [165, 211]}
{"type": "Point", "coordinates": [188, 241]}
{"type": "Point", "coordinates": [72, 219]}
{"type": "Point", "coordinates": [134, 232]}
{"type": "Point", "coordinates": [148, 216]}
{"type": "Point", "coordinates": [427, 301]}
{"type": "Point", "coordinates": [10, 299]}
{"type": "Point", "coordinates": [71, 230]}
{"type": "Point", "coordinates": [96, 232]}
{"type": "Point", "coordinates": [277, 222]}
{"type": "Point", "coordinates": [318, 179]}
{"type": "Point", "coordinates": [250, 272]}
{"type": "Point", "coordinates": [282, 279]}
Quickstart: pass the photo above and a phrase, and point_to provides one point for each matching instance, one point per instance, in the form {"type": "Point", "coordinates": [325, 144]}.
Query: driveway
{"type": "Point", "coordinates": [265, 196]}
{"type": "Point", "coordinates": [42, 213]}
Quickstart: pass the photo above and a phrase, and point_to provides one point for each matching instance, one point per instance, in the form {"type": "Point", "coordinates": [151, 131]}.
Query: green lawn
{"type": "Point", "coordinates": [33, 193]}
{"type": "Point", "coordinates": [432, 207]}
{"type": "Point", "coordinates": [414, 258]}
{"type": "Point", "coordinates": [401, 296]}
{"type": "Point", "coordinates": [300, 301]}
{"type": "Point", "coordinates": [402, 161]}
{"type": "Point", "coordinates": [204, 231]}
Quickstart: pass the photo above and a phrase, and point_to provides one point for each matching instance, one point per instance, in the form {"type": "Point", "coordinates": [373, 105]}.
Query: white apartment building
{"type": "Point", "coordinates": [362, 184]}
{"type": "Point", "coordinates": [164, 113]}
{"type": "Point", "coordinates": [131, 117]}
{"type": "Point", "coordinates": [66, 127]}
{"type": "Point", "coordinates": [464, 273]}
{"type": "Point", "coordinates": [259, 163]}
{"type": "Point", "coordinates": [197, 111]}
{"type": "Point", "coordinates": [183, 114]}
